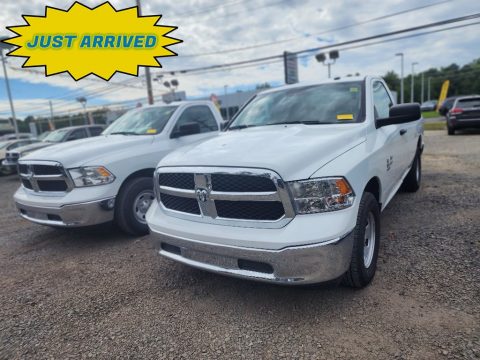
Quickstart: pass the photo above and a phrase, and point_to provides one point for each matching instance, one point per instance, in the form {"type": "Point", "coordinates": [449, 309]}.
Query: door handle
{"type": "Point", "coordinates": [403, 131]}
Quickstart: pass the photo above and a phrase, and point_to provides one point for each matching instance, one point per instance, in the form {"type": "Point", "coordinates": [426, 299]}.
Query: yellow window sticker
{"type": "Point", "coordinates": [151, 131]}
{"type": "Point", "coordinates": [353, 89]}
{"type": "Point", "coordinates": [345, 117]}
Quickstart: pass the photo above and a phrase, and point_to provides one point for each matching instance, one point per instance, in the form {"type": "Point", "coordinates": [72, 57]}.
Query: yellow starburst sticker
{"type": "Point", "coordinates": [99, 41]}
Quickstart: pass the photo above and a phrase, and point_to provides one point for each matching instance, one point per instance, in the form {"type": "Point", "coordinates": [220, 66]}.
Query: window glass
{"type": "Point", "coordinates": [381, 100]}
{"type": "Point", "coordinates": [197, 114]}
{"type": "Point", "coordinates": [56, 136]}
{"type": "Point", "coordinates": [95, 131]}
{"type": "Point", "coordinates": [469, 103]}
{"type": "Point", "coordinates": [334, 103]}
{"type": "Point", "coordinates": [146, 121]}
{"type": "Point", "coordinates": [77, 134]}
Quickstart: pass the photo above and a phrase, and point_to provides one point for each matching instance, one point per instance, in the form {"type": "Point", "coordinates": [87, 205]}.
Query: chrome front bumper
{"type": "Point", "coordinates": [307, 264]}
{"type": "Point", "coordinates": [73, 215]}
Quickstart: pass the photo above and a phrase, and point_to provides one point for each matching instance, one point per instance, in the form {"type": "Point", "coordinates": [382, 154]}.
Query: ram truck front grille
{"type": "Point", "coordinates": [44, 176]}
{"type": "Point", "coordinates": [233, 196]}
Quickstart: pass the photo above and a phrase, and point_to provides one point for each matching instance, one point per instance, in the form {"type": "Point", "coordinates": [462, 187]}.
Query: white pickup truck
{"type": "Point", "coordinates": [109, 177]}
{"type": "Point", "coordinates": [292, 191]}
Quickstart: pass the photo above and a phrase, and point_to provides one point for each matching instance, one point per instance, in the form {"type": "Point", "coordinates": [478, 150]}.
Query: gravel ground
{"type": "Point", "coordinates": [96, 293]}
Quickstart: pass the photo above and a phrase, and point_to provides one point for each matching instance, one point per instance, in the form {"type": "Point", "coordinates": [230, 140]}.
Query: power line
{"type": "Point", "coordinates": [425, 26]}
{"type": "Point", "coordinates": [272, 43]}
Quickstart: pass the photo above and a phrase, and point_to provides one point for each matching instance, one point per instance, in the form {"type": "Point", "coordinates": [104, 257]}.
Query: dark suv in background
{"type": "Point", "coordinates": [465, 113]}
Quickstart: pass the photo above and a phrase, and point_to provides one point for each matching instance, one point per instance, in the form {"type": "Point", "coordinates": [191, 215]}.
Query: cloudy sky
{"type": "Point", "coordinates": [213, 31]}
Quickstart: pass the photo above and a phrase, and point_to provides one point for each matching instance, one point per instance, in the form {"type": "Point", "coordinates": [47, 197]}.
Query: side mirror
{"type": "Point", "coordinates": [400, 114]}
{"type": "Point", "coordinates": [187, 129]}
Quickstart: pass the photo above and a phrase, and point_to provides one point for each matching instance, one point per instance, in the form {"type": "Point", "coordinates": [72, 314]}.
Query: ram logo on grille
{"type": "Point", "coordinates": [246, 197]}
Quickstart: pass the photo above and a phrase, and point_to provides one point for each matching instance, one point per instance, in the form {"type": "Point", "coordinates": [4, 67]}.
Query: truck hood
{"type": "Point", "coordinates": [31, 147]}
{"type": "Point", "coordinates": [84, 151]}
{"type": "Point", "coordinates": [294, 151]}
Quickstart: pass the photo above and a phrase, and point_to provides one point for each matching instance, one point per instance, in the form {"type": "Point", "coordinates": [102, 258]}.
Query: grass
{"type": "Point", "coordinates": [430, 114]}
{"type": "Point", "coordinates": [437, 125]}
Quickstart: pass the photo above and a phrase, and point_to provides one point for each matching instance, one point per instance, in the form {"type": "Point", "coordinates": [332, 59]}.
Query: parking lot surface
{"type": "Point", "coordinates": [96, 293]}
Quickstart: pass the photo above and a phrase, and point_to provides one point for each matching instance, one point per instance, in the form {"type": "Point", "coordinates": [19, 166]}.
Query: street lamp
{"type": "Point", "coordinates": [402, 100]}
{"type": "Point", "coordinates": [172, 85]}
{"type": "Point", "coordinates": [332, 55]}
{"type": "Point", "coordinates": [83, 100]}
{"type": "Point", "coordinates": [7, 82]}
{"type": "Point", "coordinates": [412, 81]}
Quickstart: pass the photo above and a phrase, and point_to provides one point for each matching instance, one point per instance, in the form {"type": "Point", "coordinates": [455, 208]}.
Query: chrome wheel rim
{"type": "Point", "coordinates": [369, 240]}
{"type": "Point", "coordinates": [141, 204]}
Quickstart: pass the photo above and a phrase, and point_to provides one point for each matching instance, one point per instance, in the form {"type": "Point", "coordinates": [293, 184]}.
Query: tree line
{"type": "Point", "coordinates": [464, 80]}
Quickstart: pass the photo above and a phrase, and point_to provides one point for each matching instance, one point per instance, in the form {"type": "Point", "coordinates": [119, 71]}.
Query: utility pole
{"type": "Point", "coordinates": [226, 105]}
{"type": "Point", "coordinates": [412, 82]}
{"type": "Point", "coordinates": [148, 76]}
{"type": "Point", "coordinates": [52, 125]}
{"type": "Point", "coordinates": [7, 84]}
{"type": "Point", "coordinates": [422, 88]}
{"type": "Point", "coordinates": [428, 87]}
{"type": "Point", "coordinates": [402, 99]}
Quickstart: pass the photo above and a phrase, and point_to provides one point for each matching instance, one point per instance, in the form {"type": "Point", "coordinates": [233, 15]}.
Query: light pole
{"type": "Point", "coordinates": [412, 81]}
{"type": "Point", "coordinates": [422, 88]}
{"type": "Point", "coordinates": [402, 100]}
{"type": "Point", "coordinates": [171, 85]}
{"type": "Point", "coordinates": [83, 100]}
{"type": "Point", "coordinates": [148, 77]}
{"type": "Point", "coordinates": [7, 83]}
{"type": "Point", "coordinates": [332, 55]}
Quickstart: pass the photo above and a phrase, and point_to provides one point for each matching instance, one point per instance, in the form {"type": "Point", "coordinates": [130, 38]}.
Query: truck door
{"type": "Point", "coordinates": [390, 158]}
{"type": "Point", "coordinates": [196, 114]}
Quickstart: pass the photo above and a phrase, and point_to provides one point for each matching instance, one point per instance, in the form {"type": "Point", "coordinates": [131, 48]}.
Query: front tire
{"type": "Point", "coordinates": [132, 203]}
{"type": "Point", "coordinates": [366, 242]}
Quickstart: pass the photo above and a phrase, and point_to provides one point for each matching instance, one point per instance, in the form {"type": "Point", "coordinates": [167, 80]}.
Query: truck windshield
{"type": "Point", "coordinates": [334, 103]}
{"type": "Point", "coordinates": [56, 136]}
{"type": "Point", "coordinates": [148, 121]}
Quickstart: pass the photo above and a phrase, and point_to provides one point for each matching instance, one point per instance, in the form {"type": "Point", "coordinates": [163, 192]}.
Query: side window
{"type": "Point", "coordinates": [77, 134]}
{"type": "Point", "coordinates": [200, 114]}
{"type": "Point", "coordinates": [95, 131]}
{"type": "Point", "coordinates": [381, 100]}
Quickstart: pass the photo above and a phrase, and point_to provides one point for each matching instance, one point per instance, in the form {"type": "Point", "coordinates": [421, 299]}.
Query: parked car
{"type": "Point", "coordinates": [54, 137]}
{"type": "Point", "coordinates": [10, 145]}
{"type": "Point", "coordinates": [13, 136]}
{"type": "Point", "coordinates": [446, 105]}
{"type": "Point", "coordinates": [429, 105]}
{"type": "Point", "coordinates": [465, 113]}
{"type": "Point", "coordinates": [97, 180]}
{"type": "Point", "coordinates": [291, 192]}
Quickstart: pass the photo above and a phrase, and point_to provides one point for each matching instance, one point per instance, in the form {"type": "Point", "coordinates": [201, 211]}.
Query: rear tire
{"type": "Point", "coordinates": [412, 181]}
{"type": "Point", "coordinates": [366, 242]}
{"type": "Point", "coordinates": [450, 130]}
{"type": "Point", "coordinates": [131, 204]}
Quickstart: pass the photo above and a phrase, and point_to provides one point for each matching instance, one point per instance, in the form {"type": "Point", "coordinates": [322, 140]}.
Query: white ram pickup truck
{"type": "Point", "coordinates": [292, 191]}
{"type": "Point", "coordinates": [109, 177]}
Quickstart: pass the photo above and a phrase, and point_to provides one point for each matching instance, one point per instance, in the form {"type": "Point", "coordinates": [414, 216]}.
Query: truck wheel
{"type": "Point", "coordinates": [411, 183]}
{"type": "Point", "coordinates": [366, 242]}
{"type": "Point", "coordinates": [132, 204]}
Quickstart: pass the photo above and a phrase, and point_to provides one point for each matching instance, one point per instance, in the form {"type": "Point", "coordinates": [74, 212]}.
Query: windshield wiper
{"type": "Point", "coordinates": [307, 122]}
{"type": "Point", "coordinates": [239, 127]}
{"type": "Point", "coordinates": [124, 133]}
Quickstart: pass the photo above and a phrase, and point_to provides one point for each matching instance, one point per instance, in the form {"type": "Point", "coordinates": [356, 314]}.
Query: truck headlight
{"type": "Point", "coordinates": [321, 195]}
{"type": "Point", "coordinates": [90, 176]}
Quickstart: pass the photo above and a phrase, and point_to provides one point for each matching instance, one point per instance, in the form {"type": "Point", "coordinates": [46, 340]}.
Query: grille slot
{"type": "Point", "coordinates": [23, 169]}
{"type": "Point", "coordinates": [179, 203]}
{"type": "Point", "coordinates": [52, 185]}
{"type": "Point", "coordinates": [46, 170]}
{"type": "Point", "coordinates": [242, 183]}
{"type": "Point", "coordinates": [177, 180]}
{"type": "Point", "coordinates": [27, 184]}
{"type": "Point", "coordinates": [249, 210]}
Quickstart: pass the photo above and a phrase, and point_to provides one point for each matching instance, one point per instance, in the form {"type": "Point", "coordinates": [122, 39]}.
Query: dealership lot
{"type": "Point", "coordinates": [101, 294]}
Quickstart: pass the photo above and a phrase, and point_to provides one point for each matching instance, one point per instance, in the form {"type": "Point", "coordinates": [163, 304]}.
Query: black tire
{"type": "Point", "coordinates": [412, 181]}
{"type": "Point", "coordinates": [125, 216]}
{"type": "Point", "coordinates": [359, 275]}
{"type": "Point", "coordinates": [450, 130]}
